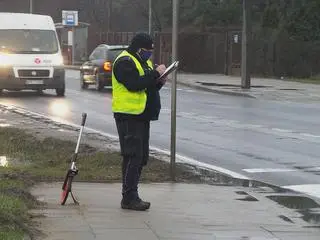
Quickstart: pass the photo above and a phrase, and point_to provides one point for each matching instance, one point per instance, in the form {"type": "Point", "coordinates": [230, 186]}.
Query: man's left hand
{"type": "Point", "coordinates": [161, 69]}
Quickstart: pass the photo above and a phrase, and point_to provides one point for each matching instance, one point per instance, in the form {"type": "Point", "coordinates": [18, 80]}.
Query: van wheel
{"type": "Point", "coordinates": [60, 92]}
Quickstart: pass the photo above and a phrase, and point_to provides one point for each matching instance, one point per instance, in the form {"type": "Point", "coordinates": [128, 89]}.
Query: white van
{"type": "Point", "coordinates": [30, 53]}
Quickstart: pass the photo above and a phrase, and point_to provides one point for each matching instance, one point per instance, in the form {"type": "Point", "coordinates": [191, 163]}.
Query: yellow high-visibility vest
{"type": "Point", "coordinates": [124, 101]}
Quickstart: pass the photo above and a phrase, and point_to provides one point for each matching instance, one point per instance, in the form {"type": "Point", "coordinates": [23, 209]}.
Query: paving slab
{"type": "Point", "coordinates": [178, 211]}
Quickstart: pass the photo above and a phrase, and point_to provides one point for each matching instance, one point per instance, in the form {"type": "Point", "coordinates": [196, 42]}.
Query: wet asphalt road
{"type": "Point", "coordinates": [276, 142]}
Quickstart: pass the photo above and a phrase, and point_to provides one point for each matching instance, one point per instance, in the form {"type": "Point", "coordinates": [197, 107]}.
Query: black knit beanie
{"type": "Point", "coordinates": [141, 40]}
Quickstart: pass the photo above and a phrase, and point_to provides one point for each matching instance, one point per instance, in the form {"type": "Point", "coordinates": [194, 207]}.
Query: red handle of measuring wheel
{"type": "Point", "coordinates": [84, 118]}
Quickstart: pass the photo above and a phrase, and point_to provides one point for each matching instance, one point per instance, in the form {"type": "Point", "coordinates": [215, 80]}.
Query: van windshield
{"type": "Point", "coordinates": [28, 41]}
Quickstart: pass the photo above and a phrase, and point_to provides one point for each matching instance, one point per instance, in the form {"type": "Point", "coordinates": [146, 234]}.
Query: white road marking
{"type": "Point", "coordinates": [269, 170]}
{"type": "Point", "coordinates": [281, 130]}
{"type": "Point", "coordinates": [180, 158]}
{"type": "Point", "coordinates": [310, 135]}
{"type": "Point", "coordinates": [285, 133]}
{"type": "Point", "coordinates": [309, 189]}
{"type": "Point", "coordinates": [191, 161]}
{"type": "Point", "coordinates": [222, 122]}
{"type": "Point", "coordinates": [190, 90]}
{"type": "Point", "coordinates": [178, 89]}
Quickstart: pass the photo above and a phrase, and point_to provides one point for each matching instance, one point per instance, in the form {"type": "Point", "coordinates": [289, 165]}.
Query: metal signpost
{"type": "Point", "coordinates": [31, 6]}
{"type": "Point", "coordinates": [70, 19]}
{"type": "Point", "coordinates": [246, 36]}
{"type": "Point", "coordinates": [175, 14]}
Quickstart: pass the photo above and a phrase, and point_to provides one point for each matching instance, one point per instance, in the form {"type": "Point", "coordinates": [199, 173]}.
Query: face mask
{"type": "Point", "coordinates": [145, 55]}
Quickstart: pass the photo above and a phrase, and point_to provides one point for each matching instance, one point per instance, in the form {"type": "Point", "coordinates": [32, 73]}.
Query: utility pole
{"type": "Point", "coordinates": [150, 17]}
{"type": "Point", "coordinates": [31, 6]}
{"type": "Point", "coordinates": [109, 15]}
{"type": "Point", "coordinates": [73, 45]}
{"type": "Point", "coordinates": [175, 18]}
{"type": "Point", "coordinates": [246, 40]}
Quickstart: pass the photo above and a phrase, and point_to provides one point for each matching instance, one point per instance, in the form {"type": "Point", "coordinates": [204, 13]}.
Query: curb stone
{"type": "Point", "coordinates": [218, 91]}
{"type": "Point", "coordinates": [225, 92]}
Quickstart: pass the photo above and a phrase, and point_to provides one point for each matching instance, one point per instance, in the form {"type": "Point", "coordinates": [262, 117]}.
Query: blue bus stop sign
{"type": "Point", "coordinates": [70, 18]}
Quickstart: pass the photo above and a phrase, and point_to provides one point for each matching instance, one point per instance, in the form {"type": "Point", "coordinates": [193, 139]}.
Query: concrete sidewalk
{"type": "Point", "coordinates": [262, 88]}
{"type": "Point", "coordinates": [178, 211]}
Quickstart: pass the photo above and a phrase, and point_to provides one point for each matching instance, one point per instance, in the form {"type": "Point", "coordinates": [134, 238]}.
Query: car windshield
{"type": "Point", "coordinates": [28, 41]}
{"type": "Point", "coordinates": [113, 53]}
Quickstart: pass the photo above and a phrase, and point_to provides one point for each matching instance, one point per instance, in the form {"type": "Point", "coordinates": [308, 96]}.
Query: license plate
{"type": "Point", "coordinates": [34, 81]}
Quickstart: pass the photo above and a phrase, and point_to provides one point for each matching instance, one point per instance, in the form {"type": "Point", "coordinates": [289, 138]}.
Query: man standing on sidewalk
{"type": "Point", "coordinates": [135, 102]}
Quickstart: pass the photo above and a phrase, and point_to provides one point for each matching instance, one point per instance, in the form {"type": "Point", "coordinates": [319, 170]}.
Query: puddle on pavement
{"type": "Point", "coordinates": [289, 89]}
{"type": "Point", "coordinates": [208, 176]}
{"type": "Point", "coordinates": [230, 85]}
{"type": "Point", "coordinates": [311, 216]}
{"type": "Point", "coordinates": [311, 226]}
{"type": "Point", "coordinates": [294, 202]}
{"type": "Point", "coordinates": [241, 193]}
{"type": "Point", "coordinates": [307, 207]}
{"type": "Point", "coordinates": [248, 199]}
{"type": "Point", "coordinates": [285, 218]}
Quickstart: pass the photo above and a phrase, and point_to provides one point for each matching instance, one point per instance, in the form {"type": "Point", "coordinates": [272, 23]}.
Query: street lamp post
{"type": "Point", "coordinates": [109, 15]}
{"type": "Point", "coordinates": [150, 17]}
{"type": "Point", "coordinates": [246, 36]}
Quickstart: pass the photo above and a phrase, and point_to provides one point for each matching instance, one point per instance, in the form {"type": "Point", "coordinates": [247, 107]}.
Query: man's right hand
{"type": "Point", "coordinates": [161, 69]}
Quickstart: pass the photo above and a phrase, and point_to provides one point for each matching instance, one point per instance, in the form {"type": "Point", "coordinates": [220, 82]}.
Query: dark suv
{"type": "Point", "coordinates": [97, 70]}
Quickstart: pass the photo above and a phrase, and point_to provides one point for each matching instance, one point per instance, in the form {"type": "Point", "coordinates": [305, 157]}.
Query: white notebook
{"type": "Point", "coordinates": [170, 69]}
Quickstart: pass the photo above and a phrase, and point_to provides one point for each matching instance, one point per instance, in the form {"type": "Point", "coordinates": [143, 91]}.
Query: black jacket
{"type": "Point", "coordinates": [126, 73]}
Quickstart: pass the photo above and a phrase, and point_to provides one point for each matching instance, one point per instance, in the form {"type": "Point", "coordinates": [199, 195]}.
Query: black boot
{"type": "Point", "coordinates": [135, 204]}
{"type": "Point", "coordinates": [148, 204]}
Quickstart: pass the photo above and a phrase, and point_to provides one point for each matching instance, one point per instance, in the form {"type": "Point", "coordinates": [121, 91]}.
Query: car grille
{"type": "Point", "coordinates": [33, 73]}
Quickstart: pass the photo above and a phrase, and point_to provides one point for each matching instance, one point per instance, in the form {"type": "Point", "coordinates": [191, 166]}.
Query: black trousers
{"type": "Point", "coordinates": [134, 144]}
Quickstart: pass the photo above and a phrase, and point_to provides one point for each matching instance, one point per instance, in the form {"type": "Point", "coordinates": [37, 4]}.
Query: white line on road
{"type": "Point", "coordinates": [180, 158]}
{"type": "Point", "coordinates": [279, 170]}
{"type": "Point", "coordinates": [269, 170]}
{"type": "Point", "coordinates": [309, 189]}
{"type": "Point", "coordinates": [222, 122]}
{"type": "Point", "coordinates": [178, 89]}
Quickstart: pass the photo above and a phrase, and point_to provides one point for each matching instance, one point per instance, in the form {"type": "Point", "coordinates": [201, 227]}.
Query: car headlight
{"type": "Point", "coordinates": [5, 61]}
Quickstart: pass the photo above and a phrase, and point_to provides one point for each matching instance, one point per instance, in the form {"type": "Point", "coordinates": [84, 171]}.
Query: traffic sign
{"type": "Point", "coordinates": [70, 18]}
